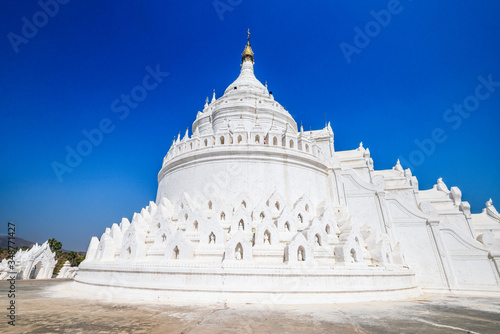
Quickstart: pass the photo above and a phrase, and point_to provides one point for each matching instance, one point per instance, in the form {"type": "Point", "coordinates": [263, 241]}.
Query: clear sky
{"type": "Point", "coordinates": [386, 73]}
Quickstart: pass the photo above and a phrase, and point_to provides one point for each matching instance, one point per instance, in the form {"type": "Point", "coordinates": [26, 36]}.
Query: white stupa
{"type": "Point", "coordinates": [251, 209]}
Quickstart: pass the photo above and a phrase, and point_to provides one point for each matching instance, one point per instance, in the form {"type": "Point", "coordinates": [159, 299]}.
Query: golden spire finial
{"type": "Point", "coordinates": [247, 52]}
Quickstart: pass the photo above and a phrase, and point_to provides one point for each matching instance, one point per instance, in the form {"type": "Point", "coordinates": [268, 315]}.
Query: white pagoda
{"type": "Point", "coordinates": [252, 209]}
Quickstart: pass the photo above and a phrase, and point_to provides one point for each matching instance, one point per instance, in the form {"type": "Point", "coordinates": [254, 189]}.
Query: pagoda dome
{"type": "Point", "coordinates": [244, 102]}
{"type": "Point", "coordinates": [246, 81]}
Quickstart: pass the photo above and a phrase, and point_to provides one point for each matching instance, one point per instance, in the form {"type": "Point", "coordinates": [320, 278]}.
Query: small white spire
{"type": "Point", "coordinates": [213, 97]}
{"type": "Point", "coordinates": [408, 172]}
{"type": "Point", "coordinates": [441, 185]}
{"type": "Point", "coordinates": [206, 103]}
{"type": "Point", "coordinates": [329, 128]}
{"type": "Point", "coordinates": [186, 135]}
{"type": "Point", "coordinates": [398, 166]}
{"type": "Point", "coordinates": [491, 210]}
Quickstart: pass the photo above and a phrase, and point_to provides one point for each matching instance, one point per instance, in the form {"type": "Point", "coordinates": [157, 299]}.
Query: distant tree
{"type": "Point", "coordinates": [59, 264]}
{"type": "Point", "coordinates": [54, 245]}
{"type": "Point", "coordinates": [71, 257]}
{"type": "Point", "coordinates": [79, 259]}
{"type": "Point", "coordinates": [59, 254]}
{"type": "Point", "coordinates": [25, 248]}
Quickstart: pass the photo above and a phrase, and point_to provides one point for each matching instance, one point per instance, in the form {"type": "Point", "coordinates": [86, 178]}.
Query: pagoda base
{"type": "Point", "coordinates": [245, 283]}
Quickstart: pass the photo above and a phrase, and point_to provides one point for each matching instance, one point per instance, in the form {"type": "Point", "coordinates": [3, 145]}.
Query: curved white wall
{"type": "Point", "coordinates": [258, 171]}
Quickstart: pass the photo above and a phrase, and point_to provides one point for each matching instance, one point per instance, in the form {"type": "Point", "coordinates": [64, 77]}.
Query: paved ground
{"type": "Point", "coordinates": [39, 310]}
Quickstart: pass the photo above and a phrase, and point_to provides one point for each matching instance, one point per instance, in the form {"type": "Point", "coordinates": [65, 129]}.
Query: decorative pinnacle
{"type": "Point", "coordinates": [398, 166]}
{"type": "Point", "coordinates": [247, 52]}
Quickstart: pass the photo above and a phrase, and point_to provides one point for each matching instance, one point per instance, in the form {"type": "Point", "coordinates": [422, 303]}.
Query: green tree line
{"type": "Point", "coordinates": [73, 257]}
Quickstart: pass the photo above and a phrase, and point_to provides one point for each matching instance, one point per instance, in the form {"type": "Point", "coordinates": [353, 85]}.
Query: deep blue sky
{"type": "Point", "coordinates": [394, 91]}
